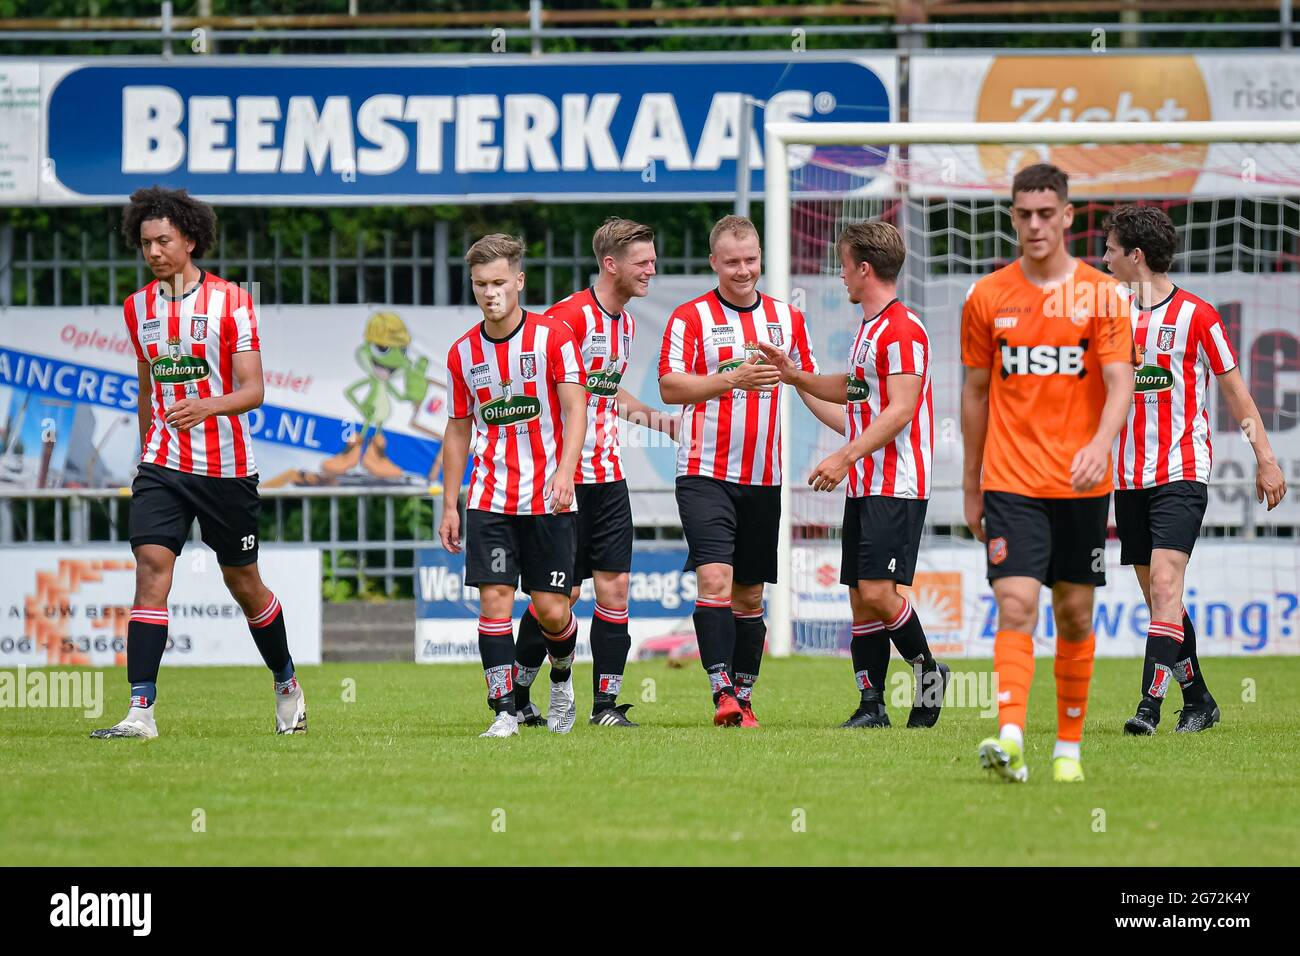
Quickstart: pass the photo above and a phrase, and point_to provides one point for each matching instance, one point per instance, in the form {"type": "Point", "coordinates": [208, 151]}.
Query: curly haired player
{"type": "Point", "coordinates": [200, 371]}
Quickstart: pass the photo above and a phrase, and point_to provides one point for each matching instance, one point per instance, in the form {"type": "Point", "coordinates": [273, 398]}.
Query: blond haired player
{"type": "Point", "coordinates": [1047, 348]}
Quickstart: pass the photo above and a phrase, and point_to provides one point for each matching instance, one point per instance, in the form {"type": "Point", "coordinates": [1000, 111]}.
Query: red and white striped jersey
{"type": "Point", "coordinates": [894, 342]}
{"type": "Point", "coordinates": [737, 436]}
{"type": "Point", "coordinates": [509, 387]}
{"type": "Point", "coordinates": [605, 341]}
{"type": "Point", "coordinates": [190, 344]}
{"type": "Point", "coordinates": [1178, 343]}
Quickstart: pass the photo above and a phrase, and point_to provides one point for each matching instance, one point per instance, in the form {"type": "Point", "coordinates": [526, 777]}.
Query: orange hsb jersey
{"type": "Point", "coordinates": [1045, 348]}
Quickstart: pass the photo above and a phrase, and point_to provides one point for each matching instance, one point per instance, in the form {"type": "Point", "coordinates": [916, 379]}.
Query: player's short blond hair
{"type": "Point", "coordinates": [736, 225]}
{"type": "Point", "coordinates": [616, 234]}
{"type": "Point", "coordinates": [494, 247]}
{"type": "Point", "coordinates": [876, 243]}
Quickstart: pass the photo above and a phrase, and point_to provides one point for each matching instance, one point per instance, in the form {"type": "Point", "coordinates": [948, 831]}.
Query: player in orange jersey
{"type": "Point", "coordinates": [1048, 352]}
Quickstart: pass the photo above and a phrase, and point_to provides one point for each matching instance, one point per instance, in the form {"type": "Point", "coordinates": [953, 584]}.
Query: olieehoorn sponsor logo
{"type": "Point", "coordinates": [511, 409]}
{"type": "Point", "coordinates": [178, 367]}
{"type": "Point", "coordinates": [1153, 378]}
{"type": "Point", "coordinates": [859, 390]}
{"type": "Point", "coordinates": [604, 382]}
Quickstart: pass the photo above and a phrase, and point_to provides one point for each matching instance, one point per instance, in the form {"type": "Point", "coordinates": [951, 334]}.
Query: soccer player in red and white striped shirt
{"type": "Point", "coordinates": [1163, 453]}
{"type": "Point", "coordinates": [604, 330]}
{"type": "Point", "coordinates": [729, 455]}
{"type": "Point", "coordinates": [517, 390]}
{"type": "Point", "coordinates": [200, 372]}
{"type": "Point", "coordinates": [889, 423]}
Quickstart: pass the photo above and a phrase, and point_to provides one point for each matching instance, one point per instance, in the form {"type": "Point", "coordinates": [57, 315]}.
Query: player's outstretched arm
{"type": "Point", "coordinates": [1270, 485]}
{"type": "Point", "coordinates": [632, 409]}
{"type": "Point", "coordinates": [828, 388]}
{"type": "Point", "coordinates": [455, 452]}
{"type": "Point", "coordinates": [829, 414]}
{"type": "Point", "coordinates": [686, 388]}
{"type": "Point", "coordinates": [904, 391]}
{"type": "Point", "coordinates": [573, 406]}
{"type": "Point", "coordinates": [974, 429]}
{"type": "Point", "coordinates": [189, 412]}
{"type": "Point", "coordinates": [1092, 460]}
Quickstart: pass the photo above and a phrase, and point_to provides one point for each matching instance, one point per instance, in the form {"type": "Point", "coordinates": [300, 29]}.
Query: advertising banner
{"type": "Point", "coordinates": [70, 606]}
{"type": "Point", "coordinates": [1243, 597]}
{"type": "Point", "coordinates": [441, 129]}
{"type": "Point", "coordinates": [1108, 87]}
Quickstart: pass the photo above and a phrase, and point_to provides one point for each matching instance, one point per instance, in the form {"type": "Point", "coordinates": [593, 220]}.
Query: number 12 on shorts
{"type": "Point", "coordinates": [557, 579]}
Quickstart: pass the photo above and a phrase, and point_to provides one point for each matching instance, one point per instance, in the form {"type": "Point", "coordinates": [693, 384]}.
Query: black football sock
{"type": "Point", "coordinates": [1164, 641]}
{"type": "Point", "coordinates": [530, 653]}
{"type": "Point", "coordinates": [869, 665]}
{"type": "Point", "coordinates": [272, 640]}
{"type": "Point", "coordinates": [1188, 666]}
{"type": "Point", "coordinates": [909, 637]}
{"type": "Point", "coordinates": [715, 633]}
{"type": "Point", "coordinates": [610, 643]}
{"type": "Point", "coordinates": [146, 639]}
{"type": "Point", "coordinates": [496, 649]}
{"type": "Point", "coordinates": [561, 648]}
{"type": "Point", "coordinates": [751, 635]}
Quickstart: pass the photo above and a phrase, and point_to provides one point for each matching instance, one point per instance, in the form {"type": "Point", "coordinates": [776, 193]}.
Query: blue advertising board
{"type": "Point", "coordinates": [440, 129]}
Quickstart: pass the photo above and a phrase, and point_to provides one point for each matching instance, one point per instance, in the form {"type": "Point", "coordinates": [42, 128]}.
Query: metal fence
{"type": "Point", "coordinates": [419, 268]}
{"type": "Point", "coordinates": [539, 30]}
{"type": "Point", "coordinates": [369, 538]}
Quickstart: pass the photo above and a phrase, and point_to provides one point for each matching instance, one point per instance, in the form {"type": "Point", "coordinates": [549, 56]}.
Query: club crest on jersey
{"type": "Point", "coordinates": [199, 328]}
{"type": "Point", "coordinates": [776, 335]}
{"type": "Point", "coordinates": [1165, 338]}
{"type": "Point", "coordinates": [178, 368]}
{"type": "Point", "coordinates": [861, 357]}
{"type": "Point", "coordinates": [859, 390]}
{"type": "Point", "coordinates": [528, 366]}
{"type": "Point", "coordinates": [511, 409]}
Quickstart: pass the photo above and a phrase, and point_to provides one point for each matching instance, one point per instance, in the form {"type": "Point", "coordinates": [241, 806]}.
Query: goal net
{"type": "Point", "coordinates": [1233, 191]}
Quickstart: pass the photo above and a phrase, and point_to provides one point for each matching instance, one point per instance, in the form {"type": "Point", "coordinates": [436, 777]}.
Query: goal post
{"type": "Point", "coordinates": [891, 143]}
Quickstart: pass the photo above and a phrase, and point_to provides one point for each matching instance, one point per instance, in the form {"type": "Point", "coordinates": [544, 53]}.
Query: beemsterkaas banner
{"type": "Point", "coordinates": [1107, 86]}
{"type": "Point", "coordinates": [1243, 596]}
{"type": "Point", "coordinates": [452, 129]}
{"type": "Point", "coordinates": [70, 606]}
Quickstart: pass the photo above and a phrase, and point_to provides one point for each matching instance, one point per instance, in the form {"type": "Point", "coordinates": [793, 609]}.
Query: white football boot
{"type": "Point", "coordinates": [138, 722]}
{"type": "Point", "coordinates": [563, 712]}
{"type": "Point", "coordinates": [505, 725]}
{"type": "Point", "coordinates": [290, 708]}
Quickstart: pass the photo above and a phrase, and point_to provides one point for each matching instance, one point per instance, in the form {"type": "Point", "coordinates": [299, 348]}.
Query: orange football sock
{"type": "Point", "coordinates": [1073, 672]}
{"type": "Point", "coordinates": [1013, 663]}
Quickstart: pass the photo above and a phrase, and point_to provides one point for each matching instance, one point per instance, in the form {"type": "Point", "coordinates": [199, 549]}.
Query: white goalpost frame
{"type": "Point", "coordinates": [777, 199]}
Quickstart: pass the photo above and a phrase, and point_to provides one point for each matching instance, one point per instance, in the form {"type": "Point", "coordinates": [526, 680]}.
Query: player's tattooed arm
{"type": "Point", "coordinates": [455, 453]}
{"type": "Point", "coordinates": [190, 412]}
{"type": "Point", "coordinates": [974, 429]}
{"type": "Point", "coordinates": [1092, 461]}
{"type": "Point", "coordinates": [904, 391]}
{"type": "Point", "coordinates": [632, 409]}
{"type": "Point", "coordinates": [1270, 484]}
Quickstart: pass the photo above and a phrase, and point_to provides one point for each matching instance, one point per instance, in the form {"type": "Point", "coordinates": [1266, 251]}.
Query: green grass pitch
{"type": "Point", "coordinates": [399, 776]}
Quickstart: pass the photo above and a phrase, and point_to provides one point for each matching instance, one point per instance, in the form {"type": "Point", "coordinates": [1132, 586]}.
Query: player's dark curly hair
{"type": "Point", "coordinates": [194, 219]}
{"type": "Point", "coordinates": [1148, 228]}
